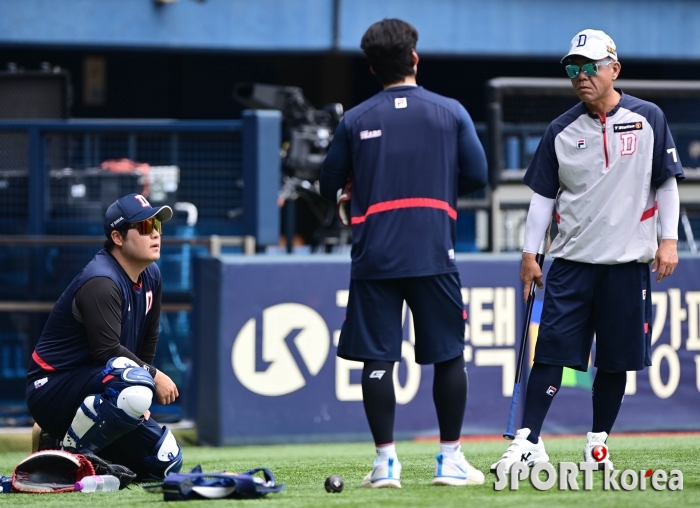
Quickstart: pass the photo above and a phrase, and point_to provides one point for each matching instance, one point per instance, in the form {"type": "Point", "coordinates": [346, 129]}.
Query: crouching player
{"type": "Point", "coordinates": [90, 382]}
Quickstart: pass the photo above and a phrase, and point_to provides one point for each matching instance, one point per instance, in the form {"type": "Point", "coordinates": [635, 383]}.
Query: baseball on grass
{"type": "Point", "coordinates": [334, 483]}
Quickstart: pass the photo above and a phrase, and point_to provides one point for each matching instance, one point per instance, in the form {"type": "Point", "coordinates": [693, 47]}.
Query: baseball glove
{"type": "Point", "coordinates": [50, 471]}
{"type": "Point", "coordinates": [343, 199]}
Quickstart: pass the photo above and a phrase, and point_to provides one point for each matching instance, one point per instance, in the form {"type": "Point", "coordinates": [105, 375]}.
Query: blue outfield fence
{"type": "Point", "coordinates": [266, 370]}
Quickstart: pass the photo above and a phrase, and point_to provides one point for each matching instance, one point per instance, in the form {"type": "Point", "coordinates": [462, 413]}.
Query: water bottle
{"type": "Point", "coordinates": [98, 483]}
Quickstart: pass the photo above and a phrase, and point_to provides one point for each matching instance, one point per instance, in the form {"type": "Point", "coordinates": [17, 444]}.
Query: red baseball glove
{"type": "Point", "coordinates": [50, 471]}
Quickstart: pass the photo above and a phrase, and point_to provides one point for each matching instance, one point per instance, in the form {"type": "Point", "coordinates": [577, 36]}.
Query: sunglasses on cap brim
{"type": "Point", "coordinates": [589, 68]}
{"type": "Point", "coordinates": [146, 227]}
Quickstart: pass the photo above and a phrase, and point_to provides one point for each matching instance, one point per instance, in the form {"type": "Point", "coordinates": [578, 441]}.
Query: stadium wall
{"type": "Point", "coordinates": [266, 330]}
{"type": "Point", "coordinates": [653, 29]}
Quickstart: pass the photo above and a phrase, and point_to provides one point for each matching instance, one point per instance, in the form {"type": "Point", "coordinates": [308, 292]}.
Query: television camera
{"type": "Point", "coordinates": [306, 136]}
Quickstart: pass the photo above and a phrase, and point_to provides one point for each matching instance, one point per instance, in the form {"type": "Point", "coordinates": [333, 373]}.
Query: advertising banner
{"type": "Point", "coordinates": [266, 331]}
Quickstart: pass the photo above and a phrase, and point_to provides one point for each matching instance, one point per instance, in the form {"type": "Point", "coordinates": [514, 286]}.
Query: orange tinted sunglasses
{"type": "Point", "coordinates": [146, 227]}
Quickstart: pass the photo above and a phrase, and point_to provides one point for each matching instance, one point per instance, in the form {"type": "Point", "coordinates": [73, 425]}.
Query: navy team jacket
{"type": "Point", "coordinates": [63, 344]}
{"type": "Point", "coordinates": [410, 153]}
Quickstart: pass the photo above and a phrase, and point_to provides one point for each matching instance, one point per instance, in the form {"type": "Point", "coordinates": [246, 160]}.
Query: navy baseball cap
{"type": "Point", "coordinates": [133, 208]}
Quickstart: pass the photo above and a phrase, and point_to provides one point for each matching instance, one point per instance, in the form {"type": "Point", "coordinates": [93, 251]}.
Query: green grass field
{"type": "Point", "coordinates": [303, 468]}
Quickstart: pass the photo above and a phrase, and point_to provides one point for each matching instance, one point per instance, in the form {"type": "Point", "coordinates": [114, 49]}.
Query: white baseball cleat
{"type": "Point", "coordinates": [596, 450]}
{"type": "Point", "coordinates": [385, 473]}
{"type": "Point", "coordinates": [522, 450]}
{"type": "Point", "coordinates": [456, 472]}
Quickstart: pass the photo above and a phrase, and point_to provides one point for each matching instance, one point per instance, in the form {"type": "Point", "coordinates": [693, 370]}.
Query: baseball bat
{"type": "Point", "coordinates": [510, 431]}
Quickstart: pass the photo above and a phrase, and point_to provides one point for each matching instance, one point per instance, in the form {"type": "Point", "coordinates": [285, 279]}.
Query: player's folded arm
{"type": "Point", "coordinates": [97, 305]}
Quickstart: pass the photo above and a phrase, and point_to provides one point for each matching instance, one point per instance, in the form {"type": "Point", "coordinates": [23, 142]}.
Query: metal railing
{"type": "Point", "coordinates": [214, 243]}
{"type": "Point", "coordinates": [40, 148]}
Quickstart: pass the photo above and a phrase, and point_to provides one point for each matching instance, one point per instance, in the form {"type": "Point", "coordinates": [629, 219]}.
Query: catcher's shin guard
{"type": "Point", "coordinates": [101, 419]}
{"type": "Point", "coordinates": [165, 458]}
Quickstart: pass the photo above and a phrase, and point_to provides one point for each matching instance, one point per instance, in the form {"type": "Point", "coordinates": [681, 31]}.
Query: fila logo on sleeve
{"type": "Point", "coordinates": [551, 391]}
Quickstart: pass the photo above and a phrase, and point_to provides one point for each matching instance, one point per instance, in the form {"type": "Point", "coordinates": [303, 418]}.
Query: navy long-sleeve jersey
{"type": "Point", "coordinates": [64, 345]}
{"type": "Point", "coordinates": [410, 152]}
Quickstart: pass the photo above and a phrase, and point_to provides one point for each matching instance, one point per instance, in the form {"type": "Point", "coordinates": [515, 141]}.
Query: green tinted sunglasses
{"type": "Point", "coordinates": [589, 69]}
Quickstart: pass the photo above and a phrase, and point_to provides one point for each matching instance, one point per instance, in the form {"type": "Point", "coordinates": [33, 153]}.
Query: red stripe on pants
{"type": "Point", "coordinates": [42, 363]}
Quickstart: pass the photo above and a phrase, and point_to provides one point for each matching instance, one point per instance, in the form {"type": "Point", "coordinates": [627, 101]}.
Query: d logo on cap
{"type": "Point", "coordinates": [142, 200]}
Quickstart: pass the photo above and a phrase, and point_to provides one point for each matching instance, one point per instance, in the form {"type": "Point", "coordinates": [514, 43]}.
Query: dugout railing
{"type": "Point", "coordinates": [518, 112]}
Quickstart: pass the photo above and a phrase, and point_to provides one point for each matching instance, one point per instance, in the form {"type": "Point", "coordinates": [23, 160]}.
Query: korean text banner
{"type": "Point", "coordinates": [266, 332]}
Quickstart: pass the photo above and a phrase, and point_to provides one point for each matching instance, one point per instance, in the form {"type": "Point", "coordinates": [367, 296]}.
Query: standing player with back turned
{"type": "Point", "coordinates": [605, 166]}
{"type": "Point", "coordinates": [410, 153]}
{"type": "Point", "coordinates": [90, 379]}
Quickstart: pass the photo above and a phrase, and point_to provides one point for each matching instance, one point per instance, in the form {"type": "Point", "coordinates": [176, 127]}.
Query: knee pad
{"type": "Point", "coordinates": [165, 458]}
{"type": "Point", "coordinates": [135, 400]}
{"type": "Point", "coordinates": [102, 418]}
{"type": "Point", "coordinates": [121, 372]}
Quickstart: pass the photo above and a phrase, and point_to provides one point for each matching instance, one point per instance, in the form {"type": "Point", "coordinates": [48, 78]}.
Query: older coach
{"type": "Point", "coordinates": [605, 166]}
